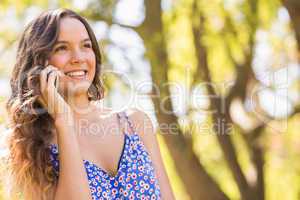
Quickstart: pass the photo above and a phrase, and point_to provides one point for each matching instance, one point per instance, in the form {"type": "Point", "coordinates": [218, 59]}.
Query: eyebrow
{"type": "Point", "coordinates": [64, 42]}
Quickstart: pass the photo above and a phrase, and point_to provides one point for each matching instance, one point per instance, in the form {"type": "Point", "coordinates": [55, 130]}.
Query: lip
{"type": "Point", "coordinates": [75, 70]}
{"type": "Point", "coordinates": [82, 77]}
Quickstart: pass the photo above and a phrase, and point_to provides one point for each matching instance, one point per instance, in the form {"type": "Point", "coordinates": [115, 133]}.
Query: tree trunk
{"type": "Point", "coordinates": [199, 184]}
{"type": "Point", "coordinates": [221, 116]}
{"type": "Point", "coordinates": [293, 7]}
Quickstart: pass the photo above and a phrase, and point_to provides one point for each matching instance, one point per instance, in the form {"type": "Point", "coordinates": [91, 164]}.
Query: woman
{"type": "Point", "coordinates": [55, 149]}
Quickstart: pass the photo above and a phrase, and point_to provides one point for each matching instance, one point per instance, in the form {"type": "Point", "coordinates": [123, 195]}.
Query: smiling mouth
{"type": "Point", "coordinates": [82, 74]}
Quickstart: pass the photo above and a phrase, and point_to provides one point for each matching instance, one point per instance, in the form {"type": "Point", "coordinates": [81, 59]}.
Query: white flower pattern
{"type": "Point", "coordinates": [135, 177]}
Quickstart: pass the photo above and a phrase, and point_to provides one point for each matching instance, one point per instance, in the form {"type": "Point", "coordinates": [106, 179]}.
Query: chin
{"type": "Point", "coordinates": [79, 86]}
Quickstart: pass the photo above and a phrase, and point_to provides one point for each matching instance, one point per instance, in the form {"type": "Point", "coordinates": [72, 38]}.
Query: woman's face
{"type": "Point", "coordinates": [73, 55]}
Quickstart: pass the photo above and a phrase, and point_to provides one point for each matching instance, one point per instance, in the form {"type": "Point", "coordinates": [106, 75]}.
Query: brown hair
{"type": "Point", "coordinates": [28, 163]}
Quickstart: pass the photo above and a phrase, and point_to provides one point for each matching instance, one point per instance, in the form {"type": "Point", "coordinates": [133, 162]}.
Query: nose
{"type": "Point", "coordinates": [77, 56]}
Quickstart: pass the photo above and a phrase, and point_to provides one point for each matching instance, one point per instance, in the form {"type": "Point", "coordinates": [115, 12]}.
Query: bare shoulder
{"type": "Point", "coordinates": [144, 128]}
{"type": "Point", "coordinates": [143, 125]}
{"type": "Point", "coordinates": [141, 120]}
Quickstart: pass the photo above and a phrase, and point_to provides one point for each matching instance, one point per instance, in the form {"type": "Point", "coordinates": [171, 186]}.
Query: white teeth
{"type": "Point", "coordinates": [77, 73]}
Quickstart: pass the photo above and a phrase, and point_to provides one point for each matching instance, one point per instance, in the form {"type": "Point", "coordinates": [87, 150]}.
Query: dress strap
{"type": "Point", "coordinates": [125, 120]}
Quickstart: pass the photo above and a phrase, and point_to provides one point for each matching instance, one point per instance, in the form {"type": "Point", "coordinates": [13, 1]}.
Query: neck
{"type": "Point", "coordinates": [80, 105]}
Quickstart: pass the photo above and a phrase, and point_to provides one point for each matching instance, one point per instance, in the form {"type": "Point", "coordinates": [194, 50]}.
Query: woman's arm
{"type": "Point", "coordinates": [144, 128]}
{"type": "Point", "coordinates": [73, 180]}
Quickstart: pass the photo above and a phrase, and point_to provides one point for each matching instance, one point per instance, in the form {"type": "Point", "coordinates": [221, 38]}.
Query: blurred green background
{"type": "Point", "coordinates": [219, 79]}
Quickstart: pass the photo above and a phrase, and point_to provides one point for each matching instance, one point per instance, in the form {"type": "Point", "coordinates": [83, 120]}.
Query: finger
{"type": "Point", "coordinates": [43, 85]}
{"type": "Point", "coordinates": [56, 81]}
{"type": "Point", "coordinates": [42, 101]}
{"type": "Point", "coordinates": [43, 80]}
{"type": "Point", "coordinates": [44, 77]}
{"type": "Point", "coordinates": [50, 69]}
{"type": "Point", "coordinates": [58, 74]}
{"type": "Point", "coordinates": [51, 79]}
{"type": "Point", "coordinates": [51, 91]}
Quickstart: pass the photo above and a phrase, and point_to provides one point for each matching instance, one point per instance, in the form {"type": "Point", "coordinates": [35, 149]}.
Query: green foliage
{"type": "Point", "coordinates": [180, 44]}
{"type": "Point", "coordinates": [267, 12]}
{"type": "Point", "coordinates": [228, 28]}
{"type": "Point", "coordinates": [21, 6]}
{"type": "Point", "coordinates": [176, 183]}
{"type": "Point", "coordinates": [211, 156]}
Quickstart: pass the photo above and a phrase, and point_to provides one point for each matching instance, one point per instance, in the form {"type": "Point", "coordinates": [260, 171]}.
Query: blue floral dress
{"type": "Point", "coordinates": [135, 177]}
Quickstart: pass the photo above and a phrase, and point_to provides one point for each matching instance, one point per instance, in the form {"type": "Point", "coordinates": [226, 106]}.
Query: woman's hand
{"type": "Point", "coordinates": [50, 97]}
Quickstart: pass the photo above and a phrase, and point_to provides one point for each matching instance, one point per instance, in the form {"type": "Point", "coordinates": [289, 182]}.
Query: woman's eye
{"type": "Point", "coordinates": [87, 45]}
{"type": "Point", "coordinates": [61, 48]}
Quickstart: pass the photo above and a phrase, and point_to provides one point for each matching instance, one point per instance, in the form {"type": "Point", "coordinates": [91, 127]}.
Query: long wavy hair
{"type": "Point", "coordinates": [31, 175]}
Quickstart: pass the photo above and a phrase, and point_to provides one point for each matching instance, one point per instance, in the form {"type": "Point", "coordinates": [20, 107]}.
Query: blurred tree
{"type": "Point", "coordinates": [217, 42]}
{"type": "Point", "coordinates": [198, 183]}
{"type": "Point", "coordinates": [293, 7]}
